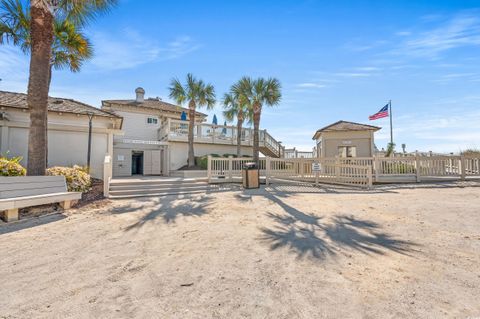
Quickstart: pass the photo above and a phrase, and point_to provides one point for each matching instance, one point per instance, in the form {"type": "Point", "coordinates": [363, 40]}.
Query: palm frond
{"type": "Point", "coordinates": [82, 12]}
{"type": "Point", "coordinates": [177, 91]}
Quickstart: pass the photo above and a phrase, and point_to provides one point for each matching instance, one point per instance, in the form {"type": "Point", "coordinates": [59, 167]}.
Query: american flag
{"type": "Point", "coordinates": [380, 114]}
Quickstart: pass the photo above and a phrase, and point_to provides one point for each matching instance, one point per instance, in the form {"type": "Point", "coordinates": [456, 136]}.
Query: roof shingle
{"type": "Point", "coordinates": [19, 100]}
{"type": "Point", "coordinates": [151, 103]}
{"type": "Point", "coordinates": [346, 126]}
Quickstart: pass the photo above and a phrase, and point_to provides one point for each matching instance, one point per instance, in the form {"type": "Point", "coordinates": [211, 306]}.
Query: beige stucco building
{"type": "Point", "coordinates": [68, 122]}
{"type": "Point", "coordinates": [144, 136]}
{"type": "Point", "coordinates": [155, 140]}
{"type": "Point", "coordinates": [345, 139]}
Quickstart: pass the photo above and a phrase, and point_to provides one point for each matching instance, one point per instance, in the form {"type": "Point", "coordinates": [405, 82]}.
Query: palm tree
{"type": "Point", "coordinates": [41, 40]}
{"type": "Point", "coordinates": [197, 94]}
{"type": "Point", "coordinates": [233, 108]}
{"type": "Point", "coordinates": [255, 94]}
{"type": "Point", "coordinates": [70, 46]}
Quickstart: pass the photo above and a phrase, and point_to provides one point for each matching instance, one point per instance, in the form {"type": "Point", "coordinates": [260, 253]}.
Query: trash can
{"type": "Point", "coordinates": [250, 175]}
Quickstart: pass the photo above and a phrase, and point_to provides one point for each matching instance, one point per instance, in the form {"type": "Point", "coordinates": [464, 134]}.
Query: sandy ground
{"type": "Point", "coordinates": [280, 252]}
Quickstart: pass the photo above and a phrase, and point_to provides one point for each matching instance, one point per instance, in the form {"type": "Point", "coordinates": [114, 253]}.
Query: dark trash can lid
{"type": "Point", "coordinates": [250, 165]}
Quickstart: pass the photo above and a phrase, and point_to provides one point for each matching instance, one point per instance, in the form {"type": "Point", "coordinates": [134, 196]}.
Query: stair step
{"type": "Point", "coordinates": [158, 190]}
{"type": "Point", "coordinates": [156, 185]}
{"type": "Point", "coordinates": [155, 194]}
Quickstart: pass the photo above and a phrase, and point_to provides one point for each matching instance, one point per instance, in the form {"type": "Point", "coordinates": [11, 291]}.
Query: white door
{"type": "Point", "coordinates": [156, 163]}
{"type": "Point", "coordinates": [152, 164]}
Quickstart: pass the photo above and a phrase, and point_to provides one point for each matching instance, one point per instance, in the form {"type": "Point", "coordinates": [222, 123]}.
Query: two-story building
{"type": "Point", "coordinates": [143, 136]}
{"type": "Point", "coordinates": [155, 138]}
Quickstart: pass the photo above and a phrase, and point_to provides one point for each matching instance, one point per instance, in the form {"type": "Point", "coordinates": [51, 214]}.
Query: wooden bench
{"type": "Point", "coordinates": [25, 191]}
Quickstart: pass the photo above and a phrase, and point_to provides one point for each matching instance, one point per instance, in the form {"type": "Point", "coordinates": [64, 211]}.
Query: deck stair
{"type": "Point", "coordinates": [159, 186]}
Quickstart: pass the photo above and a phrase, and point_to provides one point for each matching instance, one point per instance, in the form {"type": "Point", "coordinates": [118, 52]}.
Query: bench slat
{"type": "Point", "coordinates": [27, 201]}
{"type": "Point", "coordinates": [18, 186]}
{"type": "Point", "coordinates": [31, 192]}
{"type": "Point", "coordinates": [22, 186]}
{"type": "Point", "coordinates": [29, 179]}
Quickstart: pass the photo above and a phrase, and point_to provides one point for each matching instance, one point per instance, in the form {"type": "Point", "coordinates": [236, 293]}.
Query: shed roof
{"type": "Point", "coordinates": [342, 126]}
{"type": "Point", "coordinates": [56, 104]}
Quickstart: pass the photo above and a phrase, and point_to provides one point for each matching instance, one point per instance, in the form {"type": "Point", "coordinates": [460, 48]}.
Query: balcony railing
{"type": "Point", "coordinates": [177, 130]}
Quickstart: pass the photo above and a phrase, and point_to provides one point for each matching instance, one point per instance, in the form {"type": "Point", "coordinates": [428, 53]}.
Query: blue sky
{"type": "Point", "coordinates": [337, 60]}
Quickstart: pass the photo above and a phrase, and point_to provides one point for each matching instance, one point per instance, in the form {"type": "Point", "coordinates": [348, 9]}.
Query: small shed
{"type": "Point", "coordinates": [345, 139]}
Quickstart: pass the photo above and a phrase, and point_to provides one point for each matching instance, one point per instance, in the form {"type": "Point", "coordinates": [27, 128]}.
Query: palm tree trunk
{"type": "Point", "coordinates": [256, 130]}
{"type": "Point", "coordinates": [191, 152]}
{"type": "Point", "coordinates": [38, 85]}
{"type": "Point", "coordinates": [239, 136]}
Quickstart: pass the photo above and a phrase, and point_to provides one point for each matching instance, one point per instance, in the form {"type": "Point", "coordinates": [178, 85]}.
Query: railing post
{"type": "Point", "coordinates": [209, 168]}
{"type": "Point", "coordinates": [377, 167]}
{"type": "Point", "coordinates": [267, 171]}
{"type": "Point", "coordinates": [337, 168]}
{"type": "Point", "coordinates": [369, 177]}
{"type": "Point", "coordinates": [230, 168]}
{"type": "Point", "coordinates": [463, 168]}
{"type": "Point", "coordinates": [107, 175]}
{"type": "Point", "coordinates": [302, 169]}
{"type": "Point", "coordinates": [417, 167]}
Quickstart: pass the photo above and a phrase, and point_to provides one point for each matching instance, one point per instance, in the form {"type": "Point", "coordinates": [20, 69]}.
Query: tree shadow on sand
{"type": "Point", "coordinates": [306, 234]}
{"type": "Point", "coordinates": [166, 208]}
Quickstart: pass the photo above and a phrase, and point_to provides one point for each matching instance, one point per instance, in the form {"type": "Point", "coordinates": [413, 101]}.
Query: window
{"type": "Point", "coordinates": [152, 120]}
{"type": "Point", "coordinates": [347, 151]}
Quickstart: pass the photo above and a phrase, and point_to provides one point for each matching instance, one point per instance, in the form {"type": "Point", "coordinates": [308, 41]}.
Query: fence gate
{"type": "Point", "coordinates": [316, 171]}
{"type": "Point", "coordinates": [302, 170]}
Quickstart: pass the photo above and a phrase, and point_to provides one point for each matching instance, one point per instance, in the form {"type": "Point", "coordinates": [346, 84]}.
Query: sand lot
{"type": "Point", "coordinates": [280, 252]}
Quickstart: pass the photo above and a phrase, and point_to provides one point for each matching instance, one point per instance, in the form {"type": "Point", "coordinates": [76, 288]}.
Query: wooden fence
{"type": "Point", "coordinates": [349, 171]}
{"type": "Point", "coordinates": [278, 170]}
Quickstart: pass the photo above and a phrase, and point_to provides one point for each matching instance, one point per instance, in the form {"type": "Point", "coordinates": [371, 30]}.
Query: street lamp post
{"type": "Point", "coordinates": [89, 149]}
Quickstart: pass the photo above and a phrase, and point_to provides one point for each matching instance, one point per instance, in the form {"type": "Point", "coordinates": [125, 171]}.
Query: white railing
{"type": "Point", "coordinates": [425, 167]}
{"type": "Point", "coordinates": [471, 164]}
{"type": "Point", "coordinates": [293, 153]}
{"type": "Point", "coordinates": [330, 171]}
{"type": "Point", "coordinates": [350, 171]}
{"type": "Point", "coordinates": [222, 169]}
{"type": "Point", "coordinates": [177, 130]}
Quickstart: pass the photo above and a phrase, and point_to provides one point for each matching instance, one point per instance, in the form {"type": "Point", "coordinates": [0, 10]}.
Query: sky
{"type": "Point", "coordinates": [336, 60]}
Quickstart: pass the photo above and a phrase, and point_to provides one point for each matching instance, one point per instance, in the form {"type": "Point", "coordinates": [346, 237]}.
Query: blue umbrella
{"type": "Point", "coordinates": [224, 129]}
{"type": "Point", "coordinates": [183, 117]}
{"type": "Point", "coordinates": [215, 121]}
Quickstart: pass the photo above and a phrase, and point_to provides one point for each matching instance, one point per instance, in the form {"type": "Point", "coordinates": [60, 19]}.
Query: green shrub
{"type": "Point", "coordinates": [471, 151]}
{"type": "Point", "coordinates": [399, 168]}
{"type": "Point", "coordinates": [78, 180]}
{"type": "Point", "coordinates": [11, 166]}
{"type": "Point", "coordinates": [201, 161]}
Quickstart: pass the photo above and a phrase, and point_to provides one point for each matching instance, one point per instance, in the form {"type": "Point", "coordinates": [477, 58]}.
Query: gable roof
{"type": "Point", "coordinates": [345, 126]}
{"type": "Point", "coordinates": [152, 104]}
{"type": "Point", "coordinates": [55, 104]}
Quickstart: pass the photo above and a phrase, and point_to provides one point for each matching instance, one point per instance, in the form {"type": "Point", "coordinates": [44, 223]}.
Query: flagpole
{"type": "Point", "coordinates": [391, 125]}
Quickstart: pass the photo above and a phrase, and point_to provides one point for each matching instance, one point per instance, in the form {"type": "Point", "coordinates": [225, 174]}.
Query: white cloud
{"type": "Point", "coordinates": [133, 49]}
{"type": "Point", "coordinates": [311, 85]}
{"type": "Point", "coordinates": [403, 33]}
{"type": "Point", "coordinates": [450, 130]}
{"type": "Point", "coordinates": [13, 69]}
{"type": "Point", "coordinates": [460, 31]}
{"type": "Point", "coordinates": [353, 74]}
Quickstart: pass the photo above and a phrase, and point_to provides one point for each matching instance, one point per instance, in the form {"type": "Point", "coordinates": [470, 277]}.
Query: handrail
{"type": "Point", "coordinates": [217, 134]}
